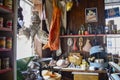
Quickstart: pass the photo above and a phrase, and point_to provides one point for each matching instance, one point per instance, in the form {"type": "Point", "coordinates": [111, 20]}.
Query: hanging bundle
{"type": "Point", "coordinates": [54, 33]}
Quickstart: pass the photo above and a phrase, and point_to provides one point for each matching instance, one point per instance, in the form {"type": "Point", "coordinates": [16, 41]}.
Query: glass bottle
{"type": "Point", "coordinates": [106, 30]}
{"type": "Point", "coordinates": [62, 30]}
{"type": "Point", "coordinates": [82, 29]}
{"type": "Point", "coordinates": [89, 28]}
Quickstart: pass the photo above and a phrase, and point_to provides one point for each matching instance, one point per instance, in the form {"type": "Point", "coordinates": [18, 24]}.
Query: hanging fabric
{"type": "Point", "coordinates": [45, 25]}
{"type": "Point", "coordinates": [54, 33]}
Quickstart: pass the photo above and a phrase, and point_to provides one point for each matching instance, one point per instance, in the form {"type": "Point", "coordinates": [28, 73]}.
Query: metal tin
{"type": "Point", "coordinates": [5, 63]}
{"type": "Point", "coordinates": [9, 42]}
{"type": "Point", "coordinates": [9, 24]}
{"type": "Point", "coordinates": [2, 42]}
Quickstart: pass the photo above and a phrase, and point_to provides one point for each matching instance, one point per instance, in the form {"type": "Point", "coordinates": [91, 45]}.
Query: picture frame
{"type": "Point", "coordinates": [91, 15]}
{"type": "Point", "coordinates": [112, 12]}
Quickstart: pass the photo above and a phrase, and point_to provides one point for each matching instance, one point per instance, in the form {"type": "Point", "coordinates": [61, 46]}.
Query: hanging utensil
{"type": "Point", "coordinates": [80, 43]}
{"type": "Point", "coordinates": [74, 45]}
{"type": "Point", "coordinates": [87, 46]}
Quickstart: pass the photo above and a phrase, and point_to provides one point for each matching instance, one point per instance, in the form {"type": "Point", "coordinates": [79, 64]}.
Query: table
{"type": "Point", "coordinates": [78, 74]}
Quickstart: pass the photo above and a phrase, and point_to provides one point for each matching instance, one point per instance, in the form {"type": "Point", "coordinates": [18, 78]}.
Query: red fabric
{"type": "Point", "coordinates": [54, 33]}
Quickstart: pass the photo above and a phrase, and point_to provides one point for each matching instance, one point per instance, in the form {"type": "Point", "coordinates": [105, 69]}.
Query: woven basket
{"type": "Point", "coordinates": [47, 75]}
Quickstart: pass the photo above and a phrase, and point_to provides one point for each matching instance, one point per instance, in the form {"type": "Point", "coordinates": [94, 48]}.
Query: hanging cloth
{"type": "Point", "coordinates": [54, 33]}
{"type": "Point", "coordinates": [45, 25]}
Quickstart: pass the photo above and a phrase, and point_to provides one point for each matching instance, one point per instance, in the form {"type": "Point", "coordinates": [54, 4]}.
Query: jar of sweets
{"type": "Point", "coordinates": [5, 63]}
{"type": "Point", "coordinates": [9, 42]}
{"type": "Point", "coordinates": [2, 42]}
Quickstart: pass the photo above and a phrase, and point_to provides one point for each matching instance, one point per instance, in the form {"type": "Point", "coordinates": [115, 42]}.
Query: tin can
{"type": "Point", "coordinates": [1, 21]}
{"type": "Point", "coordinates": [5, 63]}
{"type": "Point", "coordinates": [9, 24]}
{"type": "Point", "coordinates": [2, 42]}
{"type": "Point", "coordinates": [9, 42]}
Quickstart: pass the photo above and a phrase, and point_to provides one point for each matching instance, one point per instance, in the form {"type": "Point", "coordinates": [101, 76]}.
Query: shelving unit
{"type": "Point", "coordinates": [5, 29]}
{"type": "Point", "coordinates": [8, 30]}
{"type": "Point", "coordinates": [5, 70]}
{"type": "Point", "coordinates": [90, 35]}
{"type": "Point", "coordinates": [5, 49]}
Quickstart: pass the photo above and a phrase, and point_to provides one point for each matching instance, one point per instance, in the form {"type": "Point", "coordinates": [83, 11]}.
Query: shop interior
{"type": "Point", "coordinates": [60, 40]}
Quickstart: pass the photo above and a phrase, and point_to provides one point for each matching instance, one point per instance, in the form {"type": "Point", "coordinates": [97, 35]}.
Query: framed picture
{"type": "Point", "coordinates": [112, 12]}
{"type": "Point", "coordinates": [91, 15]}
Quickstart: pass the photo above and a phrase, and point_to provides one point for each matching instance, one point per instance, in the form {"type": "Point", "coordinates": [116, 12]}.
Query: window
{"type": "Point", "coordinates": [24, 48]}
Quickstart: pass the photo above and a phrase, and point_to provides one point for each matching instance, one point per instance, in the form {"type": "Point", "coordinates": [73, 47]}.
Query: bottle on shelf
{"type": "Point", "coordinates": [86, 29]}
{"type": "Point", "coordinates": [62, 30]}
{"type": "Point", "coordinates": [113, 29]}
{"type": "Point", "coordinates": [89, 28]}
{"type": "Point", "coordinates": [106, 29]}
{"type": "Point", "coordinates": [81, 30]}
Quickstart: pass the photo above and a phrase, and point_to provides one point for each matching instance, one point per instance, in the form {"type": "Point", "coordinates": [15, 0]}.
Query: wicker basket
{"type": "Point", "coordinates": [47, 75]}
{"type": "Point", "coordinates": [77, 60]}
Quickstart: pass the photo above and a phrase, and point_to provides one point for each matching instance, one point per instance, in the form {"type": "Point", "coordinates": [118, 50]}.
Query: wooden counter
{"type": "Point", "coordinates": [78, 74]}
{"type": "Point", "coordinates": [85, 76]}
{"type": "Point", "coordinates": [79, 70]}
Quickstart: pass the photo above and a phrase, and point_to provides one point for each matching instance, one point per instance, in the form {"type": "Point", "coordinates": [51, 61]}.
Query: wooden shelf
{"type": "Point", "coordinates": [5, 29]}
{"type": "Point", "coordinates": [91, 35]}
{"type": "Point", "coordinates": [5, 49]}
{"type": "Point", "coordinates": [5, 70]}
{"type": "Point", "coordinates": [4, 9]}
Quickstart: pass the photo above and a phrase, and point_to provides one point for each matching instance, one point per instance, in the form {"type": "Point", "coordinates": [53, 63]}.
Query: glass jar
{"type": "Point", "coordinates": [5, 63]}
{"type": "Point", "coordinates": [8, 3]}
{"type": "Point", "coordinates": [2, 42]}
{"type": "Point", "coordinates": [9, 42]}
{"type": "Point", "coordinates": [9, 24]}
